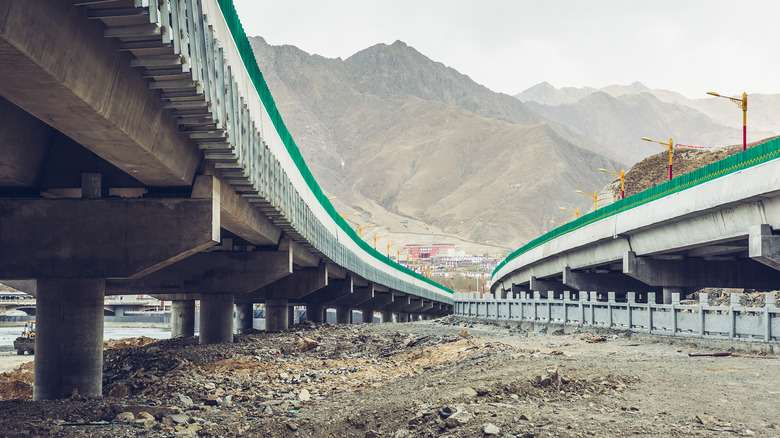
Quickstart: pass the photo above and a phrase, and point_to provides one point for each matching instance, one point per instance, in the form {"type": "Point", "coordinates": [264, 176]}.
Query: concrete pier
{"type": "Point", "coordinates": [216, 318]}
{"type": "Point", "coordinates": [69, 339]}
{"type": "Point", "coordinates": [182, 318]}
{"type": "Point", "coordinates": [244, 315]}
{"type": "Point", "coordinates": [368, 315]}
{"type": "Point", "coordinates": [315, 312]}
{"type": "Point", "coordinates": [276, 315]}
{"type": "Point", "coordinates": [343, 315]}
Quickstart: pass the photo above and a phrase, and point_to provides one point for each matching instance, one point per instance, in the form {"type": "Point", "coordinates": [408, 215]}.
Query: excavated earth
{"type": "Point", "coordinates": [444, 378]}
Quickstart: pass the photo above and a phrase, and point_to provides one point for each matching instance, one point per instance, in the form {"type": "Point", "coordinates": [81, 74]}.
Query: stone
{"type": "Point", "coordinates": [464, 333]}
{"type": "Point", "coordinates": [371, 434]}
{"type": "Point", "coordinates": [459, 418]}
{"type": "Point", "coordinates": [491, 429]}
{"type": "Point", "coordinates": [268, 410]}
{"type": "Point", "coordinates": [119, 391]}
{"type": "Point", "coordinates": [185, 401]}
{"type": "Point", "coordinates": [212, 400]}
{"type": "Point", "coordinates": [307, 344]}
{"type": "Point", "coordinates": [549, 377]}
{"type": "Point", "coordinates": [304, 395]}
{"type": "Point", "coordinates": [125, 417]}
{"type": "Point", "coordinates": [179, 418]}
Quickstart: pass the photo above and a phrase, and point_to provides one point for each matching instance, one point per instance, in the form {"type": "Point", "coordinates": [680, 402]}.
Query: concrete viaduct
{"type": "Point", "coordinates": [141, 152]}
{"type": "Point", "coordinates": [716, 227]}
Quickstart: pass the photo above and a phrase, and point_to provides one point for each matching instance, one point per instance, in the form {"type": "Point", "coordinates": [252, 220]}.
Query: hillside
{"type": "Point", "coordinates": [619, 116]}
{"type": "Point", "coordinates": [417, 147]}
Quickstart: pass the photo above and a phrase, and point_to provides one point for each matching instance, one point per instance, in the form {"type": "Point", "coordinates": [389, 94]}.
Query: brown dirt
{"type": "Point", "coordinates": [400, 380]}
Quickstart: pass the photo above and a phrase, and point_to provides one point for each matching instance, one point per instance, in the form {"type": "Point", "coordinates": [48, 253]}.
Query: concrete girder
{"type": "Point", "coordinates": [301, 256]}
{"type": "Point", "coordinates": [24, 142]}
{"type": "Point", "coordinates": [415, 304]}
{"type": "Point", "coordinates": [295, 286]}
{"type": "Point", "coordinates": [334, 290]}
{"type": "Point", "coordinates": [210, 273]}
{"type": "Point", "coordinates": [379, 301]}
{"type": "Point", "coordinates": [238, 216]}
{"type": "Point", "coordinates": [399, 303]}
{"type": "Point", "coordinates": [608, 282]}
{"type": "Point", "coordinates": [336, 271]}
{"type": "Point", "coordinates": [764, 247]}
{"type": "Point", "coordinates": [81, 85]}
{"type": "Point", "coordinates": [101, 238]}
{"type": "Point", "coordinates": [358, 296]}
{"type": "Point", "coordinates": [544, 287]}
{"type": "Point", "coordinates": [698, 273]}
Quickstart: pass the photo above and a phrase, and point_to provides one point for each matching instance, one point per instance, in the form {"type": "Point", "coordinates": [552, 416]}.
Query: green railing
{"type": "Point", "coordinates": [743, 160]}
{"type": "Point", "coordinates": [248, 57]}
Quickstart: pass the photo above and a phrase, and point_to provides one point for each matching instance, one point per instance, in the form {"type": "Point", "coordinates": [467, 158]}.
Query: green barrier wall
{"type": "Point", "coordinates": [248, 57]}
{"type": "Point", "coordinates": [743, 160]}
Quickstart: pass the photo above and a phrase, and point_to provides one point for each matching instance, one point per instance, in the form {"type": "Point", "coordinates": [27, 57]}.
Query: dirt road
{"type": "Point", "coordinates": [439, 378]}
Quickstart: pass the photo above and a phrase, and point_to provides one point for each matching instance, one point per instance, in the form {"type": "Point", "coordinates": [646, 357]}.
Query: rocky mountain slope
{"type": "Point", "coordinates": [619, 116]}
{"type": "Point", "coordinates": [417, 146]}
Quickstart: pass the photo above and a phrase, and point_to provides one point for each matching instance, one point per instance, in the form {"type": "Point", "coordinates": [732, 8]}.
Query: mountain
{"type": "Point", "coordinates": [619, 116]}
{"type": "Point", "coordinates": [416, 146]}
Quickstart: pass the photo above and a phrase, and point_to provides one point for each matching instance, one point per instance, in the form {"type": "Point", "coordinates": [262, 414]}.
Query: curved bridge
{"type": "Point", "coordinates": [143, 153]}
{"type": "Point", "coordinates": [716, 227]}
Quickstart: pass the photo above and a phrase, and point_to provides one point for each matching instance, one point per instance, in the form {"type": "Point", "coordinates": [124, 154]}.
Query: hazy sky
{"type": "Point", "coordinates": [689, 46]}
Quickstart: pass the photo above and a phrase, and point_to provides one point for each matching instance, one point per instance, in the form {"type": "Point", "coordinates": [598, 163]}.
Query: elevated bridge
{"type": "Point", "coordinates": [718, 226]}
{"type": "Point", "coordinates": [142, 153]}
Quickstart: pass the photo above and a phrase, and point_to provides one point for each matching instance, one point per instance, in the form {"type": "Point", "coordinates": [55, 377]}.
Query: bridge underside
{"type": "Point", "coordinates": [105, 189]}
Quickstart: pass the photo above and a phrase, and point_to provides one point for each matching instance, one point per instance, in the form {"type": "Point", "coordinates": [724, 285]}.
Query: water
{"type": "Point", "coordinates": [8, 334]}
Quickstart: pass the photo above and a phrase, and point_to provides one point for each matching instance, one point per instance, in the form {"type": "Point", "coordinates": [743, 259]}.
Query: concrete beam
{"type": "Point", "coordinates": [244, 220]}
{"type": "Point", "coordinates": [24, 142]}
{"type": "Point", "coordinates": [295, 286]}
{"type": "Point", "coordinates": [336, 271]}
{"type": "Point", "coordinates": [607, 282]}
{"type": "Point", "coordinates": [80, 84]}
{"type": "Point", "coordinates": [697, 273]}
{"type": "Point", "coordinates": [358, 296]}
{"type": "Point", "coordinates": [399, 303]}
{"type": "Point", "coordinates": [210, 273]}
{"type": "Point", "coordinates": [544, 287]}
{"type": "Point", "coordinates": [379, 300]}
{"type": "Point", "coordinates": [764, 247]}
{"type": "Point", "coordinates": [101, 238]}
{"type": "Point", "coordinates": [333, 291]}
{"type": "Point", "coordinates": [301, 256]}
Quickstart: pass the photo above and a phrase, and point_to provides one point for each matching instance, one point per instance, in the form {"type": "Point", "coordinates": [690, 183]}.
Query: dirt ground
{"type": "Point", "coordinates": [444, 378]}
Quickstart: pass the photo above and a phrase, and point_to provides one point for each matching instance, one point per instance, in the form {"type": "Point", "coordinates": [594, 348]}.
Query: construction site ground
{"type": "Point", "coordinates": [443, 378]}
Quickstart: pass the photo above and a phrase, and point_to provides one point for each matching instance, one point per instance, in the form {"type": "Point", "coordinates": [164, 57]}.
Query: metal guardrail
{"type": "Point", "coordinates": [197, 54]}
{"type": "Point", "coordinates": [732, 322]}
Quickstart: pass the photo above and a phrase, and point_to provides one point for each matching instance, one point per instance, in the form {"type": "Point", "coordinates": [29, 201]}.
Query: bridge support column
{"type": "Point", "coordinates": [182, 318]}
{"type": "Point", "coordinates": [343, 315]}
{"type": "Point", "coordinates": [276, 315]}
{"type": "Point", "coordinates": [314, 312]}
{"type": "Point", "coordinates": [216, 318]}
{"type": "Point", "coordinates": [69, 338]}
{"type": "Point", "coordinates": [387, 316]}
{"type": "Point", "coordinates": [245, 315]}
{"type": "Point", "coordinates": [368, 315]}
{"type": "Point", "coordinates": [290, 316]}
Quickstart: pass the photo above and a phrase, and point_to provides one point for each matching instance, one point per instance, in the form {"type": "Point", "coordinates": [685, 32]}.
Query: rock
{"type": "Point", "coordinates": [125, 417]}
{"type": "Point", "coordinates": [402, 433]}
{"type": "Point", "coordinates": [491, 429]}
{"type": "Point", "coordinates": [371, 434]}
{"type": "Point", "coordinates": [119, 391]}
{"type": "Point", "coordinates": [706, 420]}
{"type": "Point", "coordinates": [459, 418]}
{"type": "Point", "coordinates": [212, 400]}
{"type": "Point", "coordinates": [284, 376]}
{"type": "Point", "coordinates": [146, 418]}
{"type": "Point", "coordinates": [596, 339]}
{"type": "Point", "coordinates": [179, 418]}
{"type": "Point", "coordinates": [304, 395]}
{"type": "Point", "coordinates": [185, 401]}
{"type": "Point", "coordinates": [549, 377]}
{"type": "Point", "coordinates": [307, 344]}
{"type": "Point", "coordinates": [464, 333]}
{"type": "Point", "coordinates": [268, 410]}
